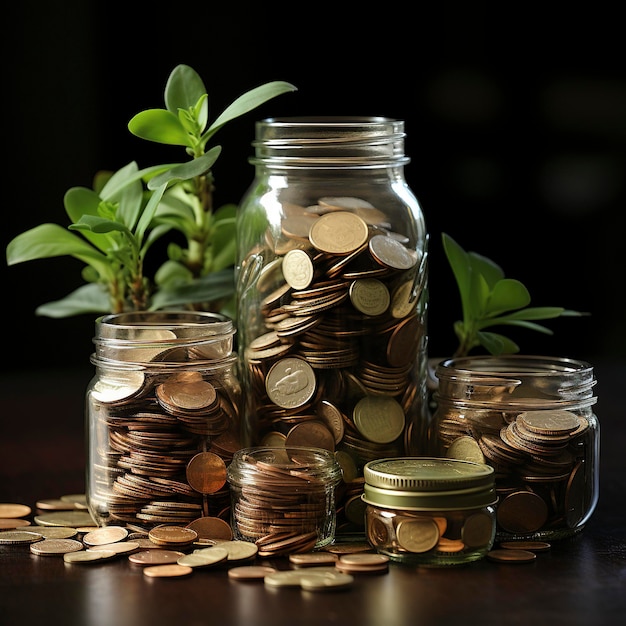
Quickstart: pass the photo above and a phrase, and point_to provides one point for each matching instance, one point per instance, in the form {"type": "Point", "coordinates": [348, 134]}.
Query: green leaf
{"type": "Point", "coordinates": [247, 102]}
{"type": "Point", "coordinates": [539, 313]}
{"type": "Point", "coordinates": [209, 288]}
{"type": "Point", "coordinates": [183, 89]}
{"type": "Point", "coordinates": [160, 126]}
{"type": "Point", "coordinates": [148, 212]}
{"type": "Point", "coordinates": [497, 344]}
{"type": "Point", "coordinates": [461, 268]}
{"type": "Point", "coordinates": [47, 241]}
{"type": "Point", "coordinates": [99, 225]}
{"type": "Point", "coordinates": [186, 171]}
{"type": "Point", "coordinates": [491, 272]}
{"type": "Point", "coordinates": [92, 298]}
{"type": "Point", "coordinates": [79, 201]}
{"type": "Point", "coordinates": [508, 294]}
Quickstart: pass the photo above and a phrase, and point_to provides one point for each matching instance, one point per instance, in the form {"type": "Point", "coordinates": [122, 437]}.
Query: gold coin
{"type": "Point", "coordinates": [172, 535]}
{"type": "Point", "coordinates": [9, 510]}
{"type": "Point", "coordinates": [204, 558]}
{"type": "Point", "coordinates": [417, 535]}
{"type": "Point", "coordinates": [338, 232]}
{"type": "Point", "coordinates": [465, 448]}
{"type": "Point", "coordinates": [155, 557]}
{"type": "Point", "coordinates": [370, 296]}
{"type": "Point", "coordinates": [167, 571]}
{"type": "Point", "coordinates": [379, 419]}
{"type": "Point", "coordinates": [85, 556]}
{"type": "Point", "coordinates": [250, 572]}
{"type": "Point", "coordinates": [107, 534]}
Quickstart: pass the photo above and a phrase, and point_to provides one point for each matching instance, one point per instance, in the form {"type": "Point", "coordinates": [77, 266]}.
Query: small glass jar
{"type": "Point", "coordinates": [531, 418]}
{"type": "Point", "coordinates": [162, 418]}
{"type": "Point", "coordinates": [332, 292]}
{"type": "Point", "coordinates": [430, 511]}
{"type": "Point", "coordinates": [283, 498]}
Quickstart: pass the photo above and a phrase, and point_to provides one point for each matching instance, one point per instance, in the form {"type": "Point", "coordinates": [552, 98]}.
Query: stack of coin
{"type": "Point", "coordinates": [161, 432]}
{"type": "Point", "coordinates": [334, 336]}
{"type": "Point", "coordinates": [283, 498]}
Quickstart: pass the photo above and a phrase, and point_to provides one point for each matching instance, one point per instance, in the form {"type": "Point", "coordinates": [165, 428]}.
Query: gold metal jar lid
{"type": "Point", "coordinates": [428, 484]}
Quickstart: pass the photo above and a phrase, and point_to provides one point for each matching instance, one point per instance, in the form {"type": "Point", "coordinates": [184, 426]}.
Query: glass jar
{"type": "Point", "coordinates": [332, 294]}
{"type": "Point", "coordinates": [283, 498]}
{"type": "Point", "coordinates": [430, 511]}
{"type": "Point", "coordinates": [531, 418]}
{"type": "Point", "coordinates": [162, 418]}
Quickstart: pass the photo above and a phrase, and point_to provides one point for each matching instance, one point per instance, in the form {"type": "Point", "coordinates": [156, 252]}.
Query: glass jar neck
{"type": "Point", "coordinates": [330, 143]}
{"type": "Point", "coordinates": [516, 379]}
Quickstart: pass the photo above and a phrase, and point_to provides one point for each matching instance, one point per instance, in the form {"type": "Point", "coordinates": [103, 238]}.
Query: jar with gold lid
{"type": "Point", "coordinates": [532, 419]}
{"type": "Point", "coordinates": [332, 294]}
{"type": "Point", "coordinates": [430, 511]}
{"type": "Point", "coordinates": [162, 418]}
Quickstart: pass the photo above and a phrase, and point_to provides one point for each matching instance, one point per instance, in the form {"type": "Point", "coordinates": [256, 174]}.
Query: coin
{"type": "Point", "coordinates": [87, 556]}
{"type": "Point", "coordinates": [417, 535]}
{"type": "Point", "coordinates": [19, 536]}
{"type": "Point", "coordinates": [206, 472]}
{"type": "Point", "coordinates": [9, 510]}
{"type": "Point", "coordinates": [55, 547]}
{"type": "Point", "coordinates": [338, 232]}
{"type": "Point", "coordinates": [308, 559]}
{"type": "Point", "coordinates": [298, 269]}
{"type": "Point", "coordinates": [155, 557]}
{"type": "Point", "coordinates": [391, 253]}
{"type": "Point", "coordinates": [370, 296]}
{"type": "Point", "coordinates": [522, 512]}
{"type": "Point", "coordinates": [238, 550]}
{"type": "Point", "coordinates": [205, 557]}
{"type": "Point", "coordinates": [379, 418]}
{"type": "Point", "coordinates": [250, 572]}
{"type": "Point", "coordinates": [172, 535]}
{"type": "Point", "coordinates": [107, 534]}
{"type": "Point", "coordinates": [167, 571]}
{"type": "Point", "coordinates": [531, 546]}
{"type": "Point", "coordinates": [465, 448]}
{"type": "Point", "coordinates": [290, 382]}
{"type": "Point", "coordinates": [211, 528]}
{"type": "Point", "coordinates": [72, 519]}
{"type": "Point", "coordinates": [511, 556]}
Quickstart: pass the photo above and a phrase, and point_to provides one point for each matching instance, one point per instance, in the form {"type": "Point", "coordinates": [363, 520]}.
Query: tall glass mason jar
{"type": "Point", "coordinates": [332, 295]}
{"type": "Point", "coordinates": [532, 419]}
{"type": "Point", "coordinates": [162, 418]}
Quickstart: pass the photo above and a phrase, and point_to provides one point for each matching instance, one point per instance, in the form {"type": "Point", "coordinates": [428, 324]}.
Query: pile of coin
{"type": "Point", "coordinates": [538, 458]}
{"type": "Point", "coordinates": [333, 332]}
{"type": "Point", "coordinates": [283, 499]}
{"type": "Point", "coordinates": [160, 441]}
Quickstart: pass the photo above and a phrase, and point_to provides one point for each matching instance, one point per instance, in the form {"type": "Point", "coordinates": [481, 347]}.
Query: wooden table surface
{"type": "Point", "coordinates": [42, 455]}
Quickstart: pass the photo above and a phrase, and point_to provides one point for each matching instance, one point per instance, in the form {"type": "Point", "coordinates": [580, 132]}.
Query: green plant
{"type": "Point", "coordinates": [489, 299]}
{"type": "Point", "coordinates": [114, 225]}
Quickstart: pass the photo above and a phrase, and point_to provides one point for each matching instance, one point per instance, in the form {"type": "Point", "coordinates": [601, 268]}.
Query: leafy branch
{"type": "Point", "coordinates": [489, 299]}
{"type": "Point", "coordinates": [115, 224]}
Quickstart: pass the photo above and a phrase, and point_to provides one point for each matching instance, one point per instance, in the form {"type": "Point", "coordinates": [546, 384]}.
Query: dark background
{"type": "Point", "coordinates": [515, 120]}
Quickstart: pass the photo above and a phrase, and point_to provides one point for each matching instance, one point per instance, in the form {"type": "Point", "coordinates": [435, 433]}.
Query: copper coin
{"type": "Point", "coordinates": [155, 557]}
{"type": "Point", "coordinates": [213, 528]}
{"type": "Point", "coordinates": [511, 556]}
{"type": "Point", "coordinates": [167, 571]}
{"type": "Point", "coordinates": [250, 572]}
{"type": "Point", "coordinates": [9, 510]}
{"type": "Point", "coordinates": [206, 472]}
